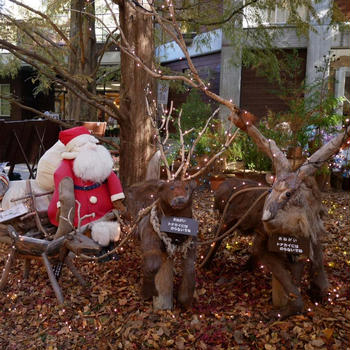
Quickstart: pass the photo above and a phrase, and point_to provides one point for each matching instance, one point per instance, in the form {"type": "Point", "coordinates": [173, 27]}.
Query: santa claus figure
{"type": "Point", "coordinates": [97, 189]}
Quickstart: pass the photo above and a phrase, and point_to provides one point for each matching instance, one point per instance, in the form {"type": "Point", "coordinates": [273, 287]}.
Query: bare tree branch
{"type": "Point", "coordinates": [194, 144]}
{"type": "Point", "coordinates": [65, 79]}
{"type": "Point", "coordinates": [47, 18]}
{"type": "Point", "coordinates": [151, 115]}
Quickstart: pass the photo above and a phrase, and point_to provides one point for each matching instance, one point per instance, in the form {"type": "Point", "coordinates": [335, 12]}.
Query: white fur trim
{"type": "Point", "coordinates": [117, 196]}
{"type": "Point", "coordinates": [105, 232]}
{"type": "Point", "coordinates": [80, 141]}
{"type": "Point", "coordinates": [72, 147]}
{"type": "Point", "coordinates": [69, 155]}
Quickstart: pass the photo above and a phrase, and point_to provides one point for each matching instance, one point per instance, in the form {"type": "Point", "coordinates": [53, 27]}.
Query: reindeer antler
{"type": "Point", "coordinates": [245, 121]}
{"type": "Point", "coordinates": [323, 154]}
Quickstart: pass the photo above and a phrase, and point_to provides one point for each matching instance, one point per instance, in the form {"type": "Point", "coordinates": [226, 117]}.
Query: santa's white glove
{"type": "Point", "coordinates": [105, 232]}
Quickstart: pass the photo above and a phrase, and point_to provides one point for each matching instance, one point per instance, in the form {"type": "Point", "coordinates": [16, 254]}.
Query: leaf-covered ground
{"type": "Point", "coordinates": [230, 310]}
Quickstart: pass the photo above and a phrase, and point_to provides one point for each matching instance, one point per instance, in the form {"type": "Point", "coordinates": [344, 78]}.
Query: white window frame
{"type": "Point", "coordinates": [277, 16]}
{"type": "Point", "coordinates": [339, 89]}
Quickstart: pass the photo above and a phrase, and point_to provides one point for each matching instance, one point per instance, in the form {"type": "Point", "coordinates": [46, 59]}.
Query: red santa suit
{"type": "Point", "coordinates": [94, 198]}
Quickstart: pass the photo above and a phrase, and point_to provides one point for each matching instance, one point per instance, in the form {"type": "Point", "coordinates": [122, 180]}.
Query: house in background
{"type": "Point", "coordinates": [241, 84]}
{"type": "Point", "coordinates": [23, 84]}
{"type": "Point", "coordinates": [251, 91]}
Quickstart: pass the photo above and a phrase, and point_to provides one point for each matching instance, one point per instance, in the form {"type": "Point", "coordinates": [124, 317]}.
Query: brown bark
{"type": "Point", "coordinates": [83, 59]}
{"type": "Point", "coordinates": [136, 133]}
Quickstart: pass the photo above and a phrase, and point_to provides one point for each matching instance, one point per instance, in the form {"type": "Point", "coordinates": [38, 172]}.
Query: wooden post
{"type": "Point", "coordinates": [52, 278]}
{"type": "Point", "coordinates": [74, 270]}
{"type": "Point", "coordinates": [279, 297]}
{"type": "Point", "coordinates": [6, 271]}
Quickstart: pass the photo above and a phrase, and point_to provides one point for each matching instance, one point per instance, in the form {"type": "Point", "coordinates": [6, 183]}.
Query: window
{"type": "Point", "coordinates": [105, 22]}
{"type": "Point", "coordinates": [275, 16]}
{"type": "Point", "coordinates": [5, 106]}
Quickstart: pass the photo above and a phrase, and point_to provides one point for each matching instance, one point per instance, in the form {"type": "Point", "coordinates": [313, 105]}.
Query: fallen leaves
{"type": "Point", "coordinates": [328, 332]}
{"type": "Point", "coordinates": [229, 312]}
{"type": "Point", "coordinates": [123, 301]}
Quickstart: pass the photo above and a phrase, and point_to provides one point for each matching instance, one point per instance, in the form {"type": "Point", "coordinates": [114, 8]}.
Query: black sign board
{"type": "Point", "coordinates": [182, 226]}
{"type": "Point", "coordinates": [289, 244]}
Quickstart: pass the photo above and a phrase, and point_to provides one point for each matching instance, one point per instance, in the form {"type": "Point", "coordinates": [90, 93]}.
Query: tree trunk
{"type": "Point", "coordinates": [136, 135]}
{"type": "Point", "coordinates": [82, 62]}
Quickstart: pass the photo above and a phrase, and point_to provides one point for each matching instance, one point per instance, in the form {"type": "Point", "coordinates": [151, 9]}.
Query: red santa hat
{"type": "Point", "coordinates": [73, 138]}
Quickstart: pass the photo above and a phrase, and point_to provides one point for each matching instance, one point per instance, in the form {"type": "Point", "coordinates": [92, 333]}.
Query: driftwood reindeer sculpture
{"type": "Point", "coordinates": [292, 208]}
{"type": "Point", "coordinates": [66, 240]}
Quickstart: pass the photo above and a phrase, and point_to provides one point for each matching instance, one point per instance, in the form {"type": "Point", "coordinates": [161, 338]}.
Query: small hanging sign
{"type": "Point", "coordinates": [289, 244]}
{"type": "Point", "coordinates": [180, 225]}
{"type": "Point", "coordinates": [13, 212]}
{"type": "Point", "coordinates": [163, 92]}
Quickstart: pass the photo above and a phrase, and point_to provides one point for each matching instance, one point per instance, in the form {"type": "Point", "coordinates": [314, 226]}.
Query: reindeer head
{"type": "Point", "coordinates": [294, 207]}
{"type": "Point", "coordinates": [176, 194]}
{"type": "Point", "coordinates": [294, 204]}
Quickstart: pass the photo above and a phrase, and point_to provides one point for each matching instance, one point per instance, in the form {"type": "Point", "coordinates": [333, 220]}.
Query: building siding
{"type": "Point", "coordinates": [208, 67]}
{"type": "Point", "coordinates": [256, 96]}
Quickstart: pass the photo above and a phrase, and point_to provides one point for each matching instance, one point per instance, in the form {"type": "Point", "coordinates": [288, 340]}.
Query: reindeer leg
{"type": "Point", "coordinates": [74, 270]}
{"type": "Point", "coordinates": [297, 268]}
{"type": "Point", "coordinates": [295, 302]}
{"type": "Point", "coordinates": [52, 278]}
{"type": "Point", "coordinates": [6, 270]}
{"type": "Point", "coordinates": [188, 282]}
{"type": "Point", "coordinates": [26, 269]}
{"type": "Point", "coordinates": [164, 285]}
{"type": "Point", "coordinates": [152, 261]}
{"type": "Point", "coordinates": [318, 276]}
{"type": "Point", "coordinates": [152, 258]}
{"type": "Point", "coordinates": [277, 265]}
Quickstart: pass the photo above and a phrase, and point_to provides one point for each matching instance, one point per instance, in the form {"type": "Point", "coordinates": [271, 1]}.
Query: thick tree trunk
{"type": "Point", "coordinates": [82, 62]}
{"type": "Point", "coordinates": [136, 135]}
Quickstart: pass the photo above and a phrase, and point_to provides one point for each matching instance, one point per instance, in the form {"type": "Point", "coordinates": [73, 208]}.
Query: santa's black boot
{"type": "Point", "coordinates": [105, 250]}
{"type": "Point", "coordinates": [57, 269]}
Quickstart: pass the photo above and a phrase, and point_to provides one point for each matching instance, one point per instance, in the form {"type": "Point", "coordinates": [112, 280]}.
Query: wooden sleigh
{"type": "Point", "coordinates": [32, 237]}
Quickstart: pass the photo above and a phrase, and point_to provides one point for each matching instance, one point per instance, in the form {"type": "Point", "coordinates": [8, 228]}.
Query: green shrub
{"type": "Point", "coordinates": [195, 112]}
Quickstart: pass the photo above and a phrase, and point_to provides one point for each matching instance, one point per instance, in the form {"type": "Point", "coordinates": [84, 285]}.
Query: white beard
{"type": "Point", "coordinates": [93, 163]}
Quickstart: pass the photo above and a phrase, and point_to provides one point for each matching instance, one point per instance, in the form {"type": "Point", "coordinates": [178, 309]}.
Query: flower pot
{"type": "Point", "coordinates": [96, 128]}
